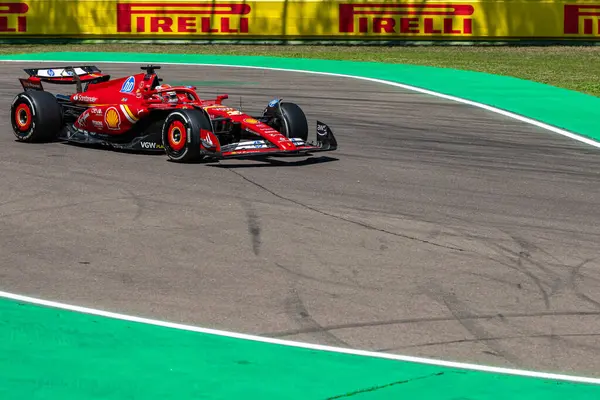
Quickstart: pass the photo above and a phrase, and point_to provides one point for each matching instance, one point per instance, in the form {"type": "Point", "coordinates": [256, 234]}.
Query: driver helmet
{"type": "Point", "coordinates": [170, 97]}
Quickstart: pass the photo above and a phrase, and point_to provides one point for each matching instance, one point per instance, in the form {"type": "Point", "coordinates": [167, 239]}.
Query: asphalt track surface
{"type": "Point", "coordinates": [437, 229]}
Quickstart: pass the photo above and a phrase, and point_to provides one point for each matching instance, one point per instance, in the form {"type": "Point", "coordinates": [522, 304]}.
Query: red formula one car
{"type": "Point", "coordinates": [140, 113]}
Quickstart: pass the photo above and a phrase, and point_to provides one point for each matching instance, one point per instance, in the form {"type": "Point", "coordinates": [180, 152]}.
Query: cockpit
{"type": "Point", "coordinates": [168, 94]}
{"type": "Point", "coordinates": [165, 93]}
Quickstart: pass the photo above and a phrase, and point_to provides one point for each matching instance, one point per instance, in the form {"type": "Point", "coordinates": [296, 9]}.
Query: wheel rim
{"type": "Point", "coordinates": [176, 136]}
{"type": "Point", "coordinates": [23, 117]}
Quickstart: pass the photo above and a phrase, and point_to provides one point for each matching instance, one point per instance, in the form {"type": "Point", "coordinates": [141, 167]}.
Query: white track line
{"type": "Point", "coordinates": [289, 343]}
{"type": "Point", "coordinates": [449, 364]}
{"type": "Point", "coordinates": [505, 113]}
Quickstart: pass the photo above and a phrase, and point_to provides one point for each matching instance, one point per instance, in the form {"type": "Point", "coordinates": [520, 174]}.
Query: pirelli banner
{"type": "Point", "coordinates": [300, 19]}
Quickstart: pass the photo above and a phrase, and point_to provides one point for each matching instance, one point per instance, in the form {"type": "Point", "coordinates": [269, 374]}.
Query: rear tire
{"type": "Point", "coordinates": [181, 135]}
{"type": "Point", "coordinates": [293, 121]}
{"type": "Point", "coordinates": [36, 116]}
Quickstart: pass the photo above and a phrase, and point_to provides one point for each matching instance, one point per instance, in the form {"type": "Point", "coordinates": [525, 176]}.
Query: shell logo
{"type": "Point", "coordinates": [112, 118]}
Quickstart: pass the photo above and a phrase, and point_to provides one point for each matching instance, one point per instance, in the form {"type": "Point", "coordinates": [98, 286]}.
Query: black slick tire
{"type": "Point", "coordinates": [181, 135]}
{"type": "Point", "coordinates": [294, 123]}
{"type": "Point", "coordinates": [35, 116]}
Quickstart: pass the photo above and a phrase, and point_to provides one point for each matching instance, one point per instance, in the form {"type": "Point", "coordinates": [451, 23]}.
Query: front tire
{"type": "Point", "coordinates": [293, 121]}
{"type": "Point", "coordinates": [181, 135]}
{"type": "Point", "coordinates": [36, 116]}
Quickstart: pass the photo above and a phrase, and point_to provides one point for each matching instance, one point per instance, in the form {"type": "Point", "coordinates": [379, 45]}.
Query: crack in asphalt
{"type": "Point", "coordinates": [362, 224]}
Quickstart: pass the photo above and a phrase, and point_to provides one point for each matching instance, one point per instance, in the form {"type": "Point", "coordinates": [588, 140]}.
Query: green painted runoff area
{"type": "Point", "coordinates": [48, 353]}
{"type": "Point", "coordinates": [573, 111]}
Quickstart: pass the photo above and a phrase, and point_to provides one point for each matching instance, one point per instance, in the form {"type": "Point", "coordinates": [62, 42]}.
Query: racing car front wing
{"type": "Point", "coordinates": [326, 141]}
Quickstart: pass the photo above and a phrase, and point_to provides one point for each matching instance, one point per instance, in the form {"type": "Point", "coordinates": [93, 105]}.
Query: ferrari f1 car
{"type": "Point", "coordinates": [140, 113]}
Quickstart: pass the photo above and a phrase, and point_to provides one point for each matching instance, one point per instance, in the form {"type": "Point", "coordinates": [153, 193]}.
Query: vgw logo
{"type": "Point", "coordinates": [182, 17]}
{"type": "Point", "coordinates": [151, 145]}
{"type": "Point", "coordinates": [448, 19]}
{"type": "Point", "coordinates": [12, 17]}
{"type": "Point", "coordinates": [128, 85]}
{"type": "Point", "coordinates": [588, 14]}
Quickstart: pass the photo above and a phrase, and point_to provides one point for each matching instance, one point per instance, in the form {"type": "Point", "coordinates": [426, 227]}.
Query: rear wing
{"type": "Point", "coordinates": [81, 76]}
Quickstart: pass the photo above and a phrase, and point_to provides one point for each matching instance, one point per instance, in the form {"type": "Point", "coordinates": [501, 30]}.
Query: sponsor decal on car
{"type": "Point", "coordinates": [248, 145]}
{"type": "Point", "coordinates": [151, 145]}
{"type": "Point", "coordinates": [217, 107]}
{"type": "Point", "coordinates": [82, 120]}
{"type": "Point", "coordinates": [85, 99]}
{"type": "Point", "coordinates": [112, 118]}
{"type": "Point", "coordinates": [250, 121]}
{"type": "Point", "coordinates": [128, 85]}
{"type": "Point", "coordinates": [228, 110]}
{"type": "Point", "coordinates": [27, 84]}
{"type": "Point", "coordinates": [321, 129]}
{"type": "Point", "coordinates": [98, 124]}
{"type": "Point", "coordinates": [205, 139]}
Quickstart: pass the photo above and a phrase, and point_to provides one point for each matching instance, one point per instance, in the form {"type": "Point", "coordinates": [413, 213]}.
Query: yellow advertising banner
{"type": "Point", "coordinates": [296, 19]}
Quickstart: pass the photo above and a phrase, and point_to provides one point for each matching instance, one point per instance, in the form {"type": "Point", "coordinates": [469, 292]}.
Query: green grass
{"type": "Point", "coordinates": [570, 67]}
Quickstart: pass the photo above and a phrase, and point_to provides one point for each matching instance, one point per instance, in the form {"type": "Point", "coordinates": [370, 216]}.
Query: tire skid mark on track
{"type": "Point", "coordinates": [138, 202]}
{"type": "Point", "coordinates": [291, 271]}
{"type": "Point", "coordinates": [577, 275]}
{"type": "Point", "coordinates": [253, 227]}
{"type": "Point", "coordinates": [496, 338]}
{"type": "Point", "coordinates": [549, 314]}
{"type": "Point", "coordinates": [516, 263]}
{"type": "Point", "coordinates": [461, 313]}
{"type": "Point", "coordinates": [296, 310]}
{"type": "Point", "coordinates": [517, 260]}
{"type": "Point", "coordinates": [553, 282]}
{"type": "Point", "coordinates": [308, 207]}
